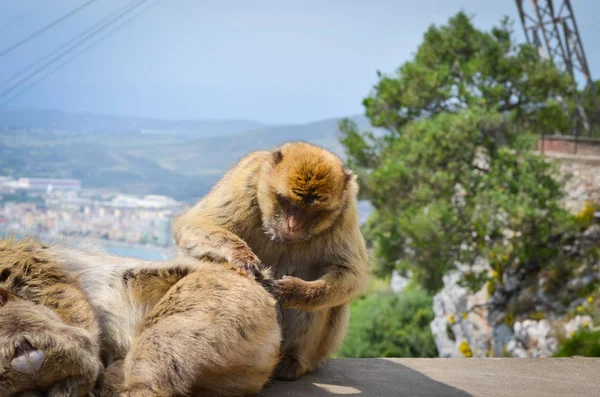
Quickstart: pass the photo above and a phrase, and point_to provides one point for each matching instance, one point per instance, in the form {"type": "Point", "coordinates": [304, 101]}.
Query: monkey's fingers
{"type": "Point", "coordinates": [251, 269]}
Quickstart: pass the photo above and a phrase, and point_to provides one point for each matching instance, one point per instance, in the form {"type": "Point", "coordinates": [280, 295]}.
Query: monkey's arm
{"type": "Point", "coordinates": [340, 285]}
{"type": "Point", "coordinates": [202, 239]}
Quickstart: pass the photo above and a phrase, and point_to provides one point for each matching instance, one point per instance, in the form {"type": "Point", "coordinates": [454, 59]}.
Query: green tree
{"type": "Point", "coordinates": [449, 180]}
{"type": "Point", "coordinates": [386, 324]}
{"type": "Point", "coordinates": [458, 67]}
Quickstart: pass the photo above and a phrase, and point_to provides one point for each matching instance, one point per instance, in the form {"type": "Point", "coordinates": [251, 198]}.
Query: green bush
{"type": "Point", "coordinates": [386, 324]}
{"type": "Point", "coordinates": [584, 343]}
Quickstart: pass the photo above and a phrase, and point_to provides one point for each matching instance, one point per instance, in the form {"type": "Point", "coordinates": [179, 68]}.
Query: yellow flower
{"type": "Point", "coordinates": [572, 334]}
{"type": "Point", "coordinates": [505, 258]}
{"type": "Point", "coordinates": [579, 309]}
{"type": "Point", "coordinates": [585, 324]}
{"type": "Point", "coordinates": [451, 319]}
{"type": "Point", "coordinates": [492, 255]}
{"type": "Point", "coordinates": [465, 349]}
{"type": "Point", "coordinates": [495, 274]}
{"type": "Point", "coordinates": [590, 299]}
{"type": "Point", "coordinates": [465, 315]}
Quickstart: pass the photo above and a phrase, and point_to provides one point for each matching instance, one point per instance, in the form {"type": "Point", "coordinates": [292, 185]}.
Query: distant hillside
{"type": "Point", "coordinates": [84, 122]}
{"type": "Point", "coordinates": [216, 154]}
{"type": "Point", "coordinates": [167, 161]}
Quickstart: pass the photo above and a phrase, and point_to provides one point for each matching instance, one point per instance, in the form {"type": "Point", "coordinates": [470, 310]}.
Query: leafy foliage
{"type": "Point", "coordinates": [451, 181]}
{"type": "Point", "coordinates": [386, 324]}
{"type": "Point", "coordinates": [458, 67]}
{"type": "Point", "coordinates": [584, 343]}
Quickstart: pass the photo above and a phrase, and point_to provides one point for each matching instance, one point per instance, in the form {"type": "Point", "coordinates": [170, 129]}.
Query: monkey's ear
{"type": "Point", "coordinates": [347, 175]}
{"type": "Point", "coordinates": [5, 296]}
{"type": "Point", "coordinates": [277, 156]}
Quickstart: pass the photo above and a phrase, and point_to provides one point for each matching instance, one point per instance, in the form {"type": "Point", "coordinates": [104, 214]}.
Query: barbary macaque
{"type": "Point", "coordinates": [160, 328]}
{"type": "Point", "coordinates": [293, 209]}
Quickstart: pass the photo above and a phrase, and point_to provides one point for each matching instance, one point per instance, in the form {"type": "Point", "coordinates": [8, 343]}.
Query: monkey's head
{"type": "Point", "coordinates": [38, 350]}
{"type": "Point", "coordinates": [302, 191]}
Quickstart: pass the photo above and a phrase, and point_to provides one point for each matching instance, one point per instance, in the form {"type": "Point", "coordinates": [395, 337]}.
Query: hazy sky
{"type": "Point", "coordinates": [269, 60]}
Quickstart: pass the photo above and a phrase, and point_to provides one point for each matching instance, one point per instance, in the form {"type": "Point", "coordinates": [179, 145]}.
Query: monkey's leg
{"type": "Point", "coordinates": [214, 331]}
{"type": "Point", "coordinates": [188, 353]}
{"type": "Point", "coordinates": [308, 338]}
{"type": "Point", "coordinates": [163, 360]}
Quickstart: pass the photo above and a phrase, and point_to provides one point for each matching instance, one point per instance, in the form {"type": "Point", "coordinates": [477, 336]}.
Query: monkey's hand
{"type": "Point", "coordinates": [295, 293]}
{"type": "Point", "coordinates": [246, 261]}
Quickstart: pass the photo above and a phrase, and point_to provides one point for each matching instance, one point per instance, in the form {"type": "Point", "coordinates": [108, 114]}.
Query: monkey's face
{"type": "Point", "coordinates": [37, 350]}
{"type": "Point", "coordinates": [303, 192]}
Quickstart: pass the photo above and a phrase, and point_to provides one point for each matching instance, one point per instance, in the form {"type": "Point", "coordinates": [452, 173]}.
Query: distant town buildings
{"type": "Point", "coordinates": [60, 207]}
{"type": "Point", "coordinates": [9, 184]}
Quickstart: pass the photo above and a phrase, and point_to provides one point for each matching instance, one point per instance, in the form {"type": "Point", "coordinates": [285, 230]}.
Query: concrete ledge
{"type": "Point", "coordinates": [543, 377]}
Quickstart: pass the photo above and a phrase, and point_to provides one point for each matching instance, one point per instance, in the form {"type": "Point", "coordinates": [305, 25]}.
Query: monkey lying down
{"type": "Point", "coordinates": [162, 328]}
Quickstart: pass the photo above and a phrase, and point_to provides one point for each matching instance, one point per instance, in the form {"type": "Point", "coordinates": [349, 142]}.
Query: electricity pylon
{"type": "Point", "coordinates": [553, 31]}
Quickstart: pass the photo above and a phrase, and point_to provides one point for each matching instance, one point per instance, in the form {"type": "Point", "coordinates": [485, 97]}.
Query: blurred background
{"type": "Point", "coordinates": [474, 127]}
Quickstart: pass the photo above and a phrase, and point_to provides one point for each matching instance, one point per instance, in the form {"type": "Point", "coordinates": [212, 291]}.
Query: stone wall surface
{"type": "Point", "coordinates": [583, 183]}
{"type": "Point", "coordinates": [462, 323]}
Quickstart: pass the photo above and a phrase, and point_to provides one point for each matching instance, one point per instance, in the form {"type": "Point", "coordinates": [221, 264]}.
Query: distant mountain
{"type": "Point", "coordinates": [218, 153]}
{"type": "Point", "coordinates": [182, 163]}
{"type": "Point", "coordinates": [86, 122]}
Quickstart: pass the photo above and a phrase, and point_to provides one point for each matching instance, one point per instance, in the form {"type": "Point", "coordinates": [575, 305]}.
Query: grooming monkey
{"type": "Point", "coordinates": [167, 328]}
{"type": "Point", "coordinates": [294, 209]}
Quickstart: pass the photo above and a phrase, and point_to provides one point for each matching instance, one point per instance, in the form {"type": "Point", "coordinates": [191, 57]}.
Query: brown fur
{"type": "Point", "coordinates": [293, 209]}
{"type": "Point", "coordinates": [178, 327]}
{"type": "Point", "coordinates": [168, 328]}
{"type": "Point", "coordinates": [71, 367]}
{"type": "Point", "coordinates": [213, 322]}
{"type": "Point", "coordinates": [45, 308]}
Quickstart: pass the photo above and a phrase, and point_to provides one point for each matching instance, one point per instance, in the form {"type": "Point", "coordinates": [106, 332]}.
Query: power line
{"type": "Point", "coordinates": [105, 22]}
{"type": "Point", "coordinates": [45, 28]}
{"type": "Point", "coordinates": [78, 42]}
{"type": "Point", "coordinates": [22, 15]}
{"type": "Point", "coordinates": [77, 55]}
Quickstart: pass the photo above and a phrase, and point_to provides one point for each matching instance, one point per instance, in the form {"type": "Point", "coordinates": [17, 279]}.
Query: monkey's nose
{"type": "Point", "coordinates": [28, 360]}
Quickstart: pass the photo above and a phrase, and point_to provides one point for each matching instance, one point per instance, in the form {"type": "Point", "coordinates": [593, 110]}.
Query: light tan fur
{"type": "Point", "coordinates": [293, 209]}
{"type": "Point", "coordinates": [175, 327]}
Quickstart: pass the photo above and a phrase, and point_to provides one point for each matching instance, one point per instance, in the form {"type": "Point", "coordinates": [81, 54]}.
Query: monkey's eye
{"type": "Point", "coordinates": [287, 205]}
